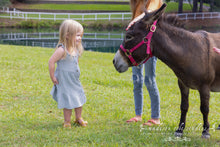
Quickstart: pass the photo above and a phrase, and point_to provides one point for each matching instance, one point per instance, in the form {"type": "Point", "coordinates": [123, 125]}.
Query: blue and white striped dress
{"type": "Point", "coordinates": [69, 92]}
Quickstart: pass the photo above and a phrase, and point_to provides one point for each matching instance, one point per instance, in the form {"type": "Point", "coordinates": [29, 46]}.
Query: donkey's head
{"type": "Point", "coordinates": [133, 50]}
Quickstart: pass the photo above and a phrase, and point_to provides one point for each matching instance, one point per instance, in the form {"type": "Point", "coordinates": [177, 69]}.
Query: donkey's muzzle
{"type": "Point", "coordinates": [119, 63]}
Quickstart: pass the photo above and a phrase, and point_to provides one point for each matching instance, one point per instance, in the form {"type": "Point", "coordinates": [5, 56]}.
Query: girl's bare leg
{"type": "Point", "coordinates": [67, 114]}
{"type": "Point", "coordinates": [78, 113]}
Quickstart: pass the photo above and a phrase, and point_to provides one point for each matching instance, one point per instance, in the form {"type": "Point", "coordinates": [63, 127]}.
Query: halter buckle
{"type": "Point", "coordinates": [127, 53]}
{"type": "Point", "coordinates": [153, 28]}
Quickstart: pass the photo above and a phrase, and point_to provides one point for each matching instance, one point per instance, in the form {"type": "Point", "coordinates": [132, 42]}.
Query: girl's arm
{"type": "Point", "coordinates": [57, 55]}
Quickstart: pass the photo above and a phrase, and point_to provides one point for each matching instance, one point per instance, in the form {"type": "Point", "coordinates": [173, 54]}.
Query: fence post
{"type": "Point", "coordinates": [83, 17]}
{"type": "Point", "coordinates": [14, 11]}
{"type": "Point", "coordinates": [39, 16]}
{"type": "Point", "coordinates": [10, 15]}
{"type": "Point", "coordinates": [122, 17]}
{"type": "Point", "coordinates": [54, 16]}
{"type": "Point", "coordinates": [109, 17]}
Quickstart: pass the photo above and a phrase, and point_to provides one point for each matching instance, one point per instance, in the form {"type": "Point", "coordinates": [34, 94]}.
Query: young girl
{"type": "Point", "coordinates": [67, 90]}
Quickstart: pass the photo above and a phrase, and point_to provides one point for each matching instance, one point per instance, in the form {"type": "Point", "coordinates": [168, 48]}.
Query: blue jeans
{"type": "Point", "coordinates": [150, 82]}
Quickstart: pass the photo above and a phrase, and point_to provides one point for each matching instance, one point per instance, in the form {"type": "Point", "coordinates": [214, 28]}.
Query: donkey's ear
{"type": "Point", "coordinates": [149, 18]}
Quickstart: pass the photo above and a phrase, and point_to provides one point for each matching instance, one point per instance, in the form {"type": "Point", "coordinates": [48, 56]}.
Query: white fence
{"type": "Point", "coordinates": [55, 36]}
{"type": "Point", "coordinates": [204, 15]}
{"type": "Point", "coordinates": [6, 13]}
{"type": "Point", "coordinates": [91, 41]}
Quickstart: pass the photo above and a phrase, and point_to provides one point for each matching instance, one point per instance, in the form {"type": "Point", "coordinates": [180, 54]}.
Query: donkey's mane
{"type": "Point", "coordinates": [173, 20]}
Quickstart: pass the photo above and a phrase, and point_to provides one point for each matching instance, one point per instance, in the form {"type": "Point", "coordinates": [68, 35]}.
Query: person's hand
{"type": "Point", "coordinates": [55, 81]}
{"type": "Point", "coordinates": [135, 20]}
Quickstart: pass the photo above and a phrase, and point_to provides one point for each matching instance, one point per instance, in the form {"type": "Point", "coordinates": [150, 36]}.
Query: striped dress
{"type": "Point", "coordinates": [69, 92]}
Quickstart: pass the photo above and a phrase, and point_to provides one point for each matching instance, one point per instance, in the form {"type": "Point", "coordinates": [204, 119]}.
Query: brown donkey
{"type": "Point", "coordinates": [189, 54]}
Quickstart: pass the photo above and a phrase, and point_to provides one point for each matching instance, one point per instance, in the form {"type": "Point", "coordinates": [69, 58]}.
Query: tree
{"type": "Point", "coordinates": [4, 3]}
{"type": "Point", "coordinates": [195, 5]}
{"type": "Point", "coordinates": [16, 1]}
{"type": "Point", "coordinates": [201, 6]}
{"type": "Point", "coordinates": [211, 5]}
{"type": "Point", "coordinates": [180, 8]}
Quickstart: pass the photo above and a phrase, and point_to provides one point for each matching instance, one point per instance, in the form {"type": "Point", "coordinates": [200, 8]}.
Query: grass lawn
{"type": "Point", "coordinates": [29, 116]}
{"type": "Point", "coordinates": [108, 7]}
{"type": "Point", "coordinates": [171, 7]}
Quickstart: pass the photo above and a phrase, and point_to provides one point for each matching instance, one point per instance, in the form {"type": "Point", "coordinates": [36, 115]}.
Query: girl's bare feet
{"type": "Point", "coordinates": [81, 122]}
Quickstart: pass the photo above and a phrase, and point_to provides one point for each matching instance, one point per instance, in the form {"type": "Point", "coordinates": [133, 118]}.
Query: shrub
{"type": "Point", "coordinates": [4, 3]}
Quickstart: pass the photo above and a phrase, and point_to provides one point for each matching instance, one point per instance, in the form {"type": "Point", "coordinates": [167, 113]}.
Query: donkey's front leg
{"type": "Point", "coordinates": [204, 107]}
{"type": "Point", "coordinates": [184, 108]}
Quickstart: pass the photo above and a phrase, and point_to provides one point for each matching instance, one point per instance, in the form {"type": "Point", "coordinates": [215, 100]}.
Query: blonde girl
{"type": "Point", "coordinates": [67, 90]}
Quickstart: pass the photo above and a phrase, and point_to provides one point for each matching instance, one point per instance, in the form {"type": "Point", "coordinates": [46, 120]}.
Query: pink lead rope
{"type": "Point", "coordinates": [146, 40]}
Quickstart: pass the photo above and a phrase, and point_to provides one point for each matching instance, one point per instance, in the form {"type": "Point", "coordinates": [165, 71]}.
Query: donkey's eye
{"type": "Point", "coordinates": [128, 37]}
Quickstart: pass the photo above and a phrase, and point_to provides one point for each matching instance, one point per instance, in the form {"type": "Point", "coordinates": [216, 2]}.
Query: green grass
{"type": "Point", "coordinates": [172, 7]}
{"type": "Point", "coordinates": [108, 7]}
{"type": "Point", "coordinates": [29, 116]}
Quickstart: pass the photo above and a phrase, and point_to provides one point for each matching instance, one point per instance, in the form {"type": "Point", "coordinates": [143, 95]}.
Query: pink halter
{"type": "Point", "coordinates": [146, 40]}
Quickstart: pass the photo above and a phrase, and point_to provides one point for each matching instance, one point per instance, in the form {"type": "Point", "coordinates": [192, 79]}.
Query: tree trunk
{"type": "Point", "coordinates": [195, 5]}
{"type": "Point", "coordinates": [180, 8]}
{"type": "Point", "coordinates": [211, 5]}
{"type": "Point", "coordinates": [201, 6]}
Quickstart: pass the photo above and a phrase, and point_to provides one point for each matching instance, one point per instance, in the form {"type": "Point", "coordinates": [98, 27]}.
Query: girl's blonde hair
{"type": "Point", "coordinates": [68, 30]}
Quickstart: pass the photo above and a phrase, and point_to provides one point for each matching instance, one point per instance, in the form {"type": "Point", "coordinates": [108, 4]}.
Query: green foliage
{"type": "Point", "coordinates": [217, 3]}
{"type": "Point", "coordinates": [27, 24]}
{"type": "Point", "coordinates": [38, 24]}
{"type": "Point", "coordinates": [4, 3]}
{"type": "Point", "coordinates": [29, 116]}
{"type": "Point", "coordinates": [98, 25]}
